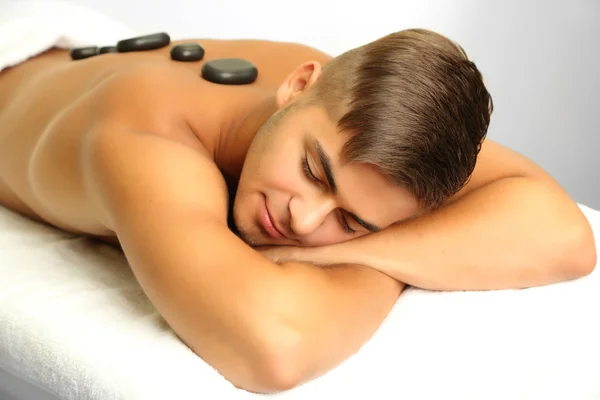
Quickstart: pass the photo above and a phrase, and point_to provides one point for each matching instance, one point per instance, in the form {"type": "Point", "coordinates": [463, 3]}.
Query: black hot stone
{"type": "Point", "coordinates": [107, 49]}
{"type": "Point", "coordinates": [187, 52]}
{"type": "Point", "coordinates": [141, 43]}
{"type": "Point", "coordinates": [83, 52]}
{"type": "Point", "coordinates": [229, 71]}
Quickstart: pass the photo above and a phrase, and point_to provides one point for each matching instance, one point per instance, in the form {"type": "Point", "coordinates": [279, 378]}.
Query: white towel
{"type": "Point", "coordinates": [73, 318]}
{"type": "Point", "coordinates": [30, 27]}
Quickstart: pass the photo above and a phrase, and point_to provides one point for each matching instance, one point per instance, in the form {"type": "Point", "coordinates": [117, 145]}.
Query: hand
{"type": "Point", "coordinates": [319, 256]}
{"type": "Point", "coordinates": [280, 254]}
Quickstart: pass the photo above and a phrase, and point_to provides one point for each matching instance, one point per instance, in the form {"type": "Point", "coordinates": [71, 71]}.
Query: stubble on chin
{"type": "Point", "coordinates": [247, 238]}
{"type": "Point", "coordinates": [244, 234]}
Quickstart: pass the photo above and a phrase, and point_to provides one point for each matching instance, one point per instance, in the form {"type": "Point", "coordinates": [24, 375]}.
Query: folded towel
{"type": "Point", "coordinates": [30, 27]}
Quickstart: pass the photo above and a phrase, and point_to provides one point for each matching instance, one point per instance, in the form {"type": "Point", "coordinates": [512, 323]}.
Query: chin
{"type": "Point", "coordinates": [244, 232]}
{"type": "Point", "coordinates": [247, 226]}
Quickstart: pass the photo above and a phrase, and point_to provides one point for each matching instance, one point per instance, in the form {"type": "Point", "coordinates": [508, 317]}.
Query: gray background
{"type": "Point", "coordinates": [540, 58]}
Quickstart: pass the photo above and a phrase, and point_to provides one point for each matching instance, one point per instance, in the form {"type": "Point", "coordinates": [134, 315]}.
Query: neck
{"type": "Point", "coordinates": [240, 125]}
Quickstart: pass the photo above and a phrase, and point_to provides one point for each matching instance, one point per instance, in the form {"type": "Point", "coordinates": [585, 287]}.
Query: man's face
{"type": "Point", "coordinates": [294, 191]}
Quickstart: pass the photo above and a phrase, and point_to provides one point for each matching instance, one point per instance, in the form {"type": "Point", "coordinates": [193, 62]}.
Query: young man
{"type": "Point", "coordinates": [354, 174]}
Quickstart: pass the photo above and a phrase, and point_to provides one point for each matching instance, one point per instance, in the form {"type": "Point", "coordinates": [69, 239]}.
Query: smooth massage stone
{"type": "Point", "coordinates": [229, 71]}
{"type": "Point", "coordinates": [187, 52]}
{"type": "Point", "coordinates": [107, 49]}
{"type": "Point", "coordinates": [141, 43]}
{"type": "Point", "coordinates": [83, 52]}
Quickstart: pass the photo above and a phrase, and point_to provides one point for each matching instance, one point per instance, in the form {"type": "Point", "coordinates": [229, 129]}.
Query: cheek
{"type": "Point", "coordinates": [328, 233]}
{"type": "Point", "coordinates": [281, 186]}
{"type": "Point", "coordinates": [281, 168]}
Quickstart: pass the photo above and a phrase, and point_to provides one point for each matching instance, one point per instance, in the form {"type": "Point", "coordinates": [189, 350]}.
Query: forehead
{"type": "Point", "coordinates": [362, 188]}
{"type": "Point", "coordinates": [364, 191]}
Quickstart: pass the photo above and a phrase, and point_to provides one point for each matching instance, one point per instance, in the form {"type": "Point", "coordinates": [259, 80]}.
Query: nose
{"type": "Point", "coordinates": [308, 213]}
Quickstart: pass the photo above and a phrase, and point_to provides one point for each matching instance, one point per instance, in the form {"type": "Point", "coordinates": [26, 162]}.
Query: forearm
{"type": "Point", "coordinates": [512, 233]}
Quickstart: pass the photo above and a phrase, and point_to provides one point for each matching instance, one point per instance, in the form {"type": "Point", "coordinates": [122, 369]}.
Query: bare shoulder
{"type": "Point", "coordinates": [496, 161]}
{"type": "Point", "coordinates": [132, 174]}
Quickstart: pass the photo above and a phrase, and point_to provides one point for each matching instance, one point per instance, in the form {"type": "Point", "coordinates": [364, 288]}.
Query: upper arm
{"type": "Point", "coordinates": [167, 204]}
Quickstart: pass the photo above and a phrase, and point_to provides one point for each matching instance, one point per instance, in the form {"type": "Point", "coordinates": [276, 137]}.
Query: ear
{"type": "Point", "coordinates": [298, 82]}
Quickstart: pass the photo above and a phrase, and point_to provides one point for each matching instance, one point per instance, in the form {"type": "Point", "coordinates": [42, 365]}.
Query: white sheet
{"type": "Point", "coordinates": [73, 318]}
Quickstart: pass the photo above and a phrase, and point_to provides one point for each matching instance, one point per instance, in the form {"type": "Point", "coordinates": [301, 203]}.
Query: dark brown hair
{"type": "Point", "coordinates": [414, 106]}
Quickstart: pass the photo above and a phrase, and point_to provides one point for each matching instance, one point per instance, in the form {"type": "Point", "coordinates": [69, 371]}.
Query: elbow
{"type": "Point", "coordinates": [586, 262]}
{"type": "Point", "coordinates": [283, 369]}
{"type": "Point", "coordinates": [580, 254]}
{"type": "Point", "coordinates": [279, 367]}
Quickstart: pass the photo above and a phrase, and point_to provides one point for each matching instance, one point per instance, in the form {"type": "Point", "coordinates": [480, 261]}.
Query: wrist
{"type": "Point", "coordinates": [335, 254]}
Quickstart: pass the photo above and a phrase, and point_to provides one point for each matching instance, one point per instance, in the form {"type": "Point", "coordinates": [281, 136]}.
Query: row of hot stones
{"type": "Point", "coordinates": [226, 71]}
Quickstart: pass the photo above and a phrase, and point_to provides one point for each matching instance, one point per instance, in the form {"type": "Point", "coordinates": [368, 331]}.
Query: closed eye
{"type": "Point", "coordinates": [311, 177]}
{"type": "Point", "coordinates": [308, 172]}
{"type": "Point", "coordinates": [345, 226]}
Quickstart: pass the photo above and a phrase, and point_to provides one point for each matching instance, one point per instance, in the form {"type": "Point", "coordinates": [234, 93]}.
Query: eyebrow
{"type": "Point", "coordinates": [326, 164]}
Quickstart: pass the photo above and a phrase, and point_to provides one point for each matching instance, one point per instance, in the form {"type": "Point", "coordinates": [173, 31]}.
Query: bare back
{"type": "Point", "coordinates": [281, 327]}
{"type": "Point", "coordinates": [50, 101]}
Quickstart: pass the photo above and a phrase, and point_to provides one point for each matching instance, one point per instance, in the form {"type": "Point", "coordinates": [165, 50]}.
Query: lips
{"type": "Point", "coordinates": [267, 221]}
